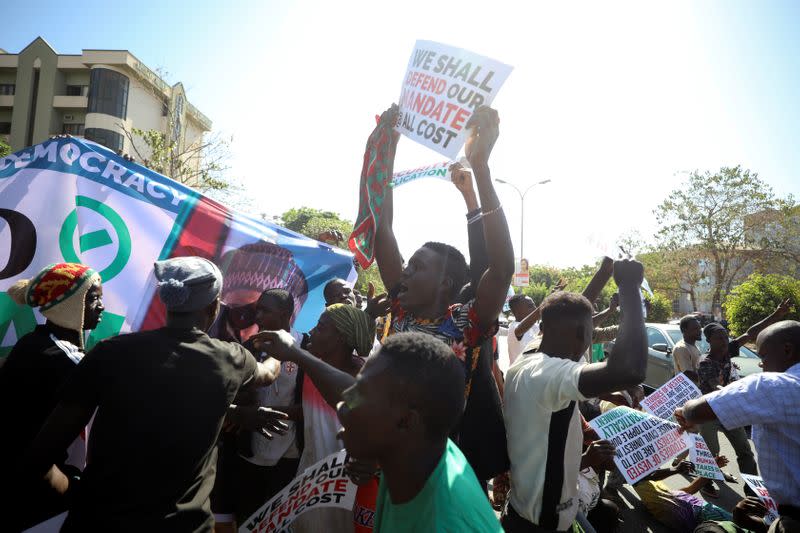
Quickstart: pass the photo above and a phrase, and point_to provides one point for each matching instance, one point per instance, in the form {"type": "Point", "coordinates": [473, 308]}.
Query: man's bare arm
{"type": "Point", "coordinates": [626, 366]}
{"type": "Point", "coordinates": [753, 331]}
{"type": "Point", "coordinates": [490, 295]}
{"type": "Point", "coordinates": [599, 280]}
{"type": "Point", "coordinates": [387, 253]}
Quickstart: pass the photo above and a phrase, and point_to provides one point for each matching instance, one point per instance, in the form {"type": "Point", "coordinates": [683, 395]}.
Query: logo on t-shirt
{"type": "Point", "coordinates": [363, 516]}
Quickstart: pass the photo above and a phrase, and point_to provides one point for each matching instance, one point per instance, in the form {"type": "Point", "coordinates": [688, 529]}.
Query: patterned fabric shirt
{"type": "Point", "coordinates": [769, 402]}
{"type": "Point", "coordinates": [458, 328]}
{"type": "Point", "coordinates": [710, 370]}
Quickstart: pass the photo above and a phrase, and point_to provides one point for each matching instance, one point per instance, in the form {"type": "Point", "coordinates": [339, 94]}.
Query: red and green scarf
{"type": "Point", "coordinates": [376, 173]}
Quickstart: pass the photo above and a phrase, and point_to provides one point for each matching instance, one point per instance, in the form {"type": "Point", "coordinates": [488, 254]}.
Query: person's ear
{"type": "Point", "coordinates": [409, 421]}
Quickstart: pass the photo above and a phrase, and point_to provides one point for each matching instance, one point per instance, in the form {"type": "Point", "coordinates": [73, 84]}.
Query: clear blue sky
{"type": "Point", "coordinates": [610, 101]}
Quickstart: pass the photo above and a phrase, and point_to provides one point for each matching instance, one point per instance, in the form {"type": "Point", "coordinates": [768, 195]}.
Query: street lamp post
{"type": "Point", "coordinates": [522, 210]}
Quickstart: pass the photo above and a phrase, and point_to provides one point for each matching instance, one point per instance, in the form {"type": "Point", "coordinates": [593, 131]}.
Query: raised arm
{"type": "Point", "coordinates": [607, 313]}
{"type": "Point", "coordinates": [478, 260]}
{"type": "Point", "coordinates": [599, 280]}
{"type": "Point", "coordinates": [490, 295]}
{"type": "Point", "coordinates": [387, 253]}
{"type": "Point", "coordinates": [626, 366]}
{"type": "Point", "coordinates": [330, 381]}
{"type": "Point", "coordinates": [752, 332]}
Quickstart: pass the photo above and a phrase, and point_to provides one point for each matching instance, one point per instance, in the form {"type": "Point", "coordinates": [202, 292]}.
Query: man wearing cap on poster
{"type": "Point", "coordinates": [160, 397]}
{"type": "Point", "coordinates": [70, 296]}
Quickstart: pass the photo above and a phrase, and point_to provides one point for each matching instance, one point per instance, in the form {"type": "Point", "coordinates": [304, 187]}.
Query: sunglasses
{"type": "Point", "coordinates": [242, 317]}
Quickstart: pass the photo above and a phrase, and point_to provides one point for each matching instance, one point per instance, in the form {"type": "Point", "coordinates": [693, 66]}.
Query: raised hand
{"type": "Point", "coordinates": [462, 179]}
{"type": "Point", "coordinates": [484, 129]}
{"type": "Point", "coordinates": [614, 303]}
{"type": "Point", "coordinates": [379, 305]}
{"type": "Point", "coordinates": [278, 344]}
{"type": "Point", "coordinates": [331, 235]}
{"type": "Point", "coordinates": [628, 272]}
{"type": "Point", "coordinates": [784, 308]}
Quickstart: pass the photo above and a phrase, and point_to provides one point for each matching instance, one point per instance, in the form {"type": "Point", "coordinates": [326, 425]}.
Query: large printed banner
{"type": "Point", "coordinates": [671, 395]}
{"type": "Point", "coordinates": [323, 484]}
{"type": "Point", "coordinates": [442, 87]}
{"type": "Point", "coordinates": [68, 199]}
{"type": "Point", "coordinates": [643, 441]}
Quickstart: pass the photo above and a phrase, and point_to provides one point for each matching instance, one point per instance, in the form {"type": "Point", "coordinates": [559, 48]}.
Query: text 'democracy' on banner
{"type": "Point", "coordinates": [442, 87]}
{"type": "Point", "coordinates": [643, 442]}
{"type": "Point", "coordinates": [757, 484]}
{"type": "Point", "coordinates": [705, 465]}
{"type": "Point", "coordinates": [671, 395]}
{"type": "Point", "coordinates": [69, 199]}
{"type": "Point", "coordinates": [323, 484]}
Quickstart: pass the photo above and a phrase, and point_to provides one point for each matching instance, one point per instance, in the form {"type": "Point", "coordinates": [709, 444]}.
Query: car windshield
{"type": "Point", "coordinates": [676, 335]}
{"type": "Point", "coordinates": [747, 353]}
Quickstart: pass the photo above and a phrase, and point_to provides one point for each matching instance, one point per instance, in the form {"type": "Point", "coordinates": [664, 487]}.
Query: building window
{"type": "Point", "coordinates": [108, 93]}
{"type": "Point", "coordinates": [7, 88]}
{"type": "Point", "coordinates": [109, 139]}
{"type": "Point", "coordinates": [74, 129]}
{"type": "Point", "coordinates": [5, 128]}
{"type": "Point", "coordinates": [77, 90]}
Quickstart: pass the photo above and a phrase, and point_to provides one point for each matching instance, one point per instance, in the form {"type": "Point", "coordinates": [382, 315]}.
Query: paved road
{"type": "Point", "coordinates": [635, 516]}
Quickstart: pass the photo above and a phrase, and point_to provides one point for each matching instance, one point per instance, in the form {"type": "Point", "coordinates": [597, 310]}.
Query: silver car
{"type": "Point", "coordinates": [661, 339]}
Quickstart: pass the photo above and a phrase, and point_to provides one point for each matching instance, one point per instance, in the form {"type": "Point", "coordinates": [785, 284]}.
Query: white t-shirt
{"type": "Point", "coordinates": [516, 347]}
{"type": "Point", "coordinates": [279, 393]}
{"type": "Point", "coordinates": [544, 438]}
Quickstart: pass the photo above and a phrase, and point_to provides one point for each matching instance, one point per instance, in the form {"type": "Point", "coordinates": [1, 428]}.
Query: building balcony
{"type": "Point", "coordinates": [6, 100]}
{"type": "Point", "coordinates": [70, 102]}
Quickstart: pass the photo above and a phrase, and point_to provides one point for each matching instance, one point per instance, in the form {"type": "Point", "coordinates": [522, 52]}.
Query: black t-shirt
{"type": "Point", "coordinates": [34, 372]}
{"type": "Point", "coordinates": [161, 396]}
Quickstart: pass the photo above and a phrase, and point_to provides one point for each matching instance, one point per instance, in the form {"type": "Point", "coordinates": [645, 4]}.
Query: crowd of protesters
{"type": "Point", "coordinates": [193, 426]}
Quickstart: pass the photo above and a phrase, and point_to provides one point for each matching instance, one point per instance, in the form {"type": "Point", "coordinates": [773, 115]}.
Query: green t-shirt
{"type": "Point", "coordinates": [451, 501]}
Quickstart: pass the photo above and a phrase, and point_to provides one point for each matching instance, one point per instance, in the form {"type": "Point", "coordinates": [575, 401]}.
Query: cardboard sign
{"type": "Point", "coordinates": [671, 395]}
{"type": "Point", "coordinates": [442, 87]}
{"type": "Point", "coordinates": [437, 170]}
{"type": "Point", "coordinates": [704, 463]}
{"type": "Point", "coordinates": [643, 441]}
{"type": "Point", "coordinates": [521, 279]}
{"type": "Point", "coordinates": [757, 484]}
{"type": "Point", "coordinates": [323, 484]}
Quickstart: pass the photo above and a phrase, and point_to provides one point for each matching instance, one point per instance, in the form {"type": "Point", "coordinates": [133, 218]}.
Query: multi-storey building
{"type": "Point", "coordinates": [98, 94]}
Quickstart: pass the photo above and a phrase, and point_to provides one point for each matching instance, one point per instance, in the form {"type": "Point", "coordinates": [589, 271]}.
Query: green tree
{"type": "Point", "coordinates": [536, 291]}
{"type": "Point", "coordinates": [315, 222]}
{"type": "Point", "coordinates": [544, 275]}
{"type": "Point", "coordinates": [681, 270]}
{"type": "Point", "coordinates": [757, 297]}
{"type": "Point", "coordinates": [330, 227]}
{"type": "Point", "coordinates": [708, 213]}
{"type": "Point", "coordinates": [660, 308]}
{"type": "Point", "coordinates": [5, 149]}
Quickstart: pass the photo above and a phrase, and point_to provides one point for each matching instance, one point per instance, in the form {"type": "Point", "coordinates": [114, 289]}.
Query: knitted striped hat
{"type": "Point", "coordinates": [59, 291]}
{"type": "Point", "coordinates": [261, 266]}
